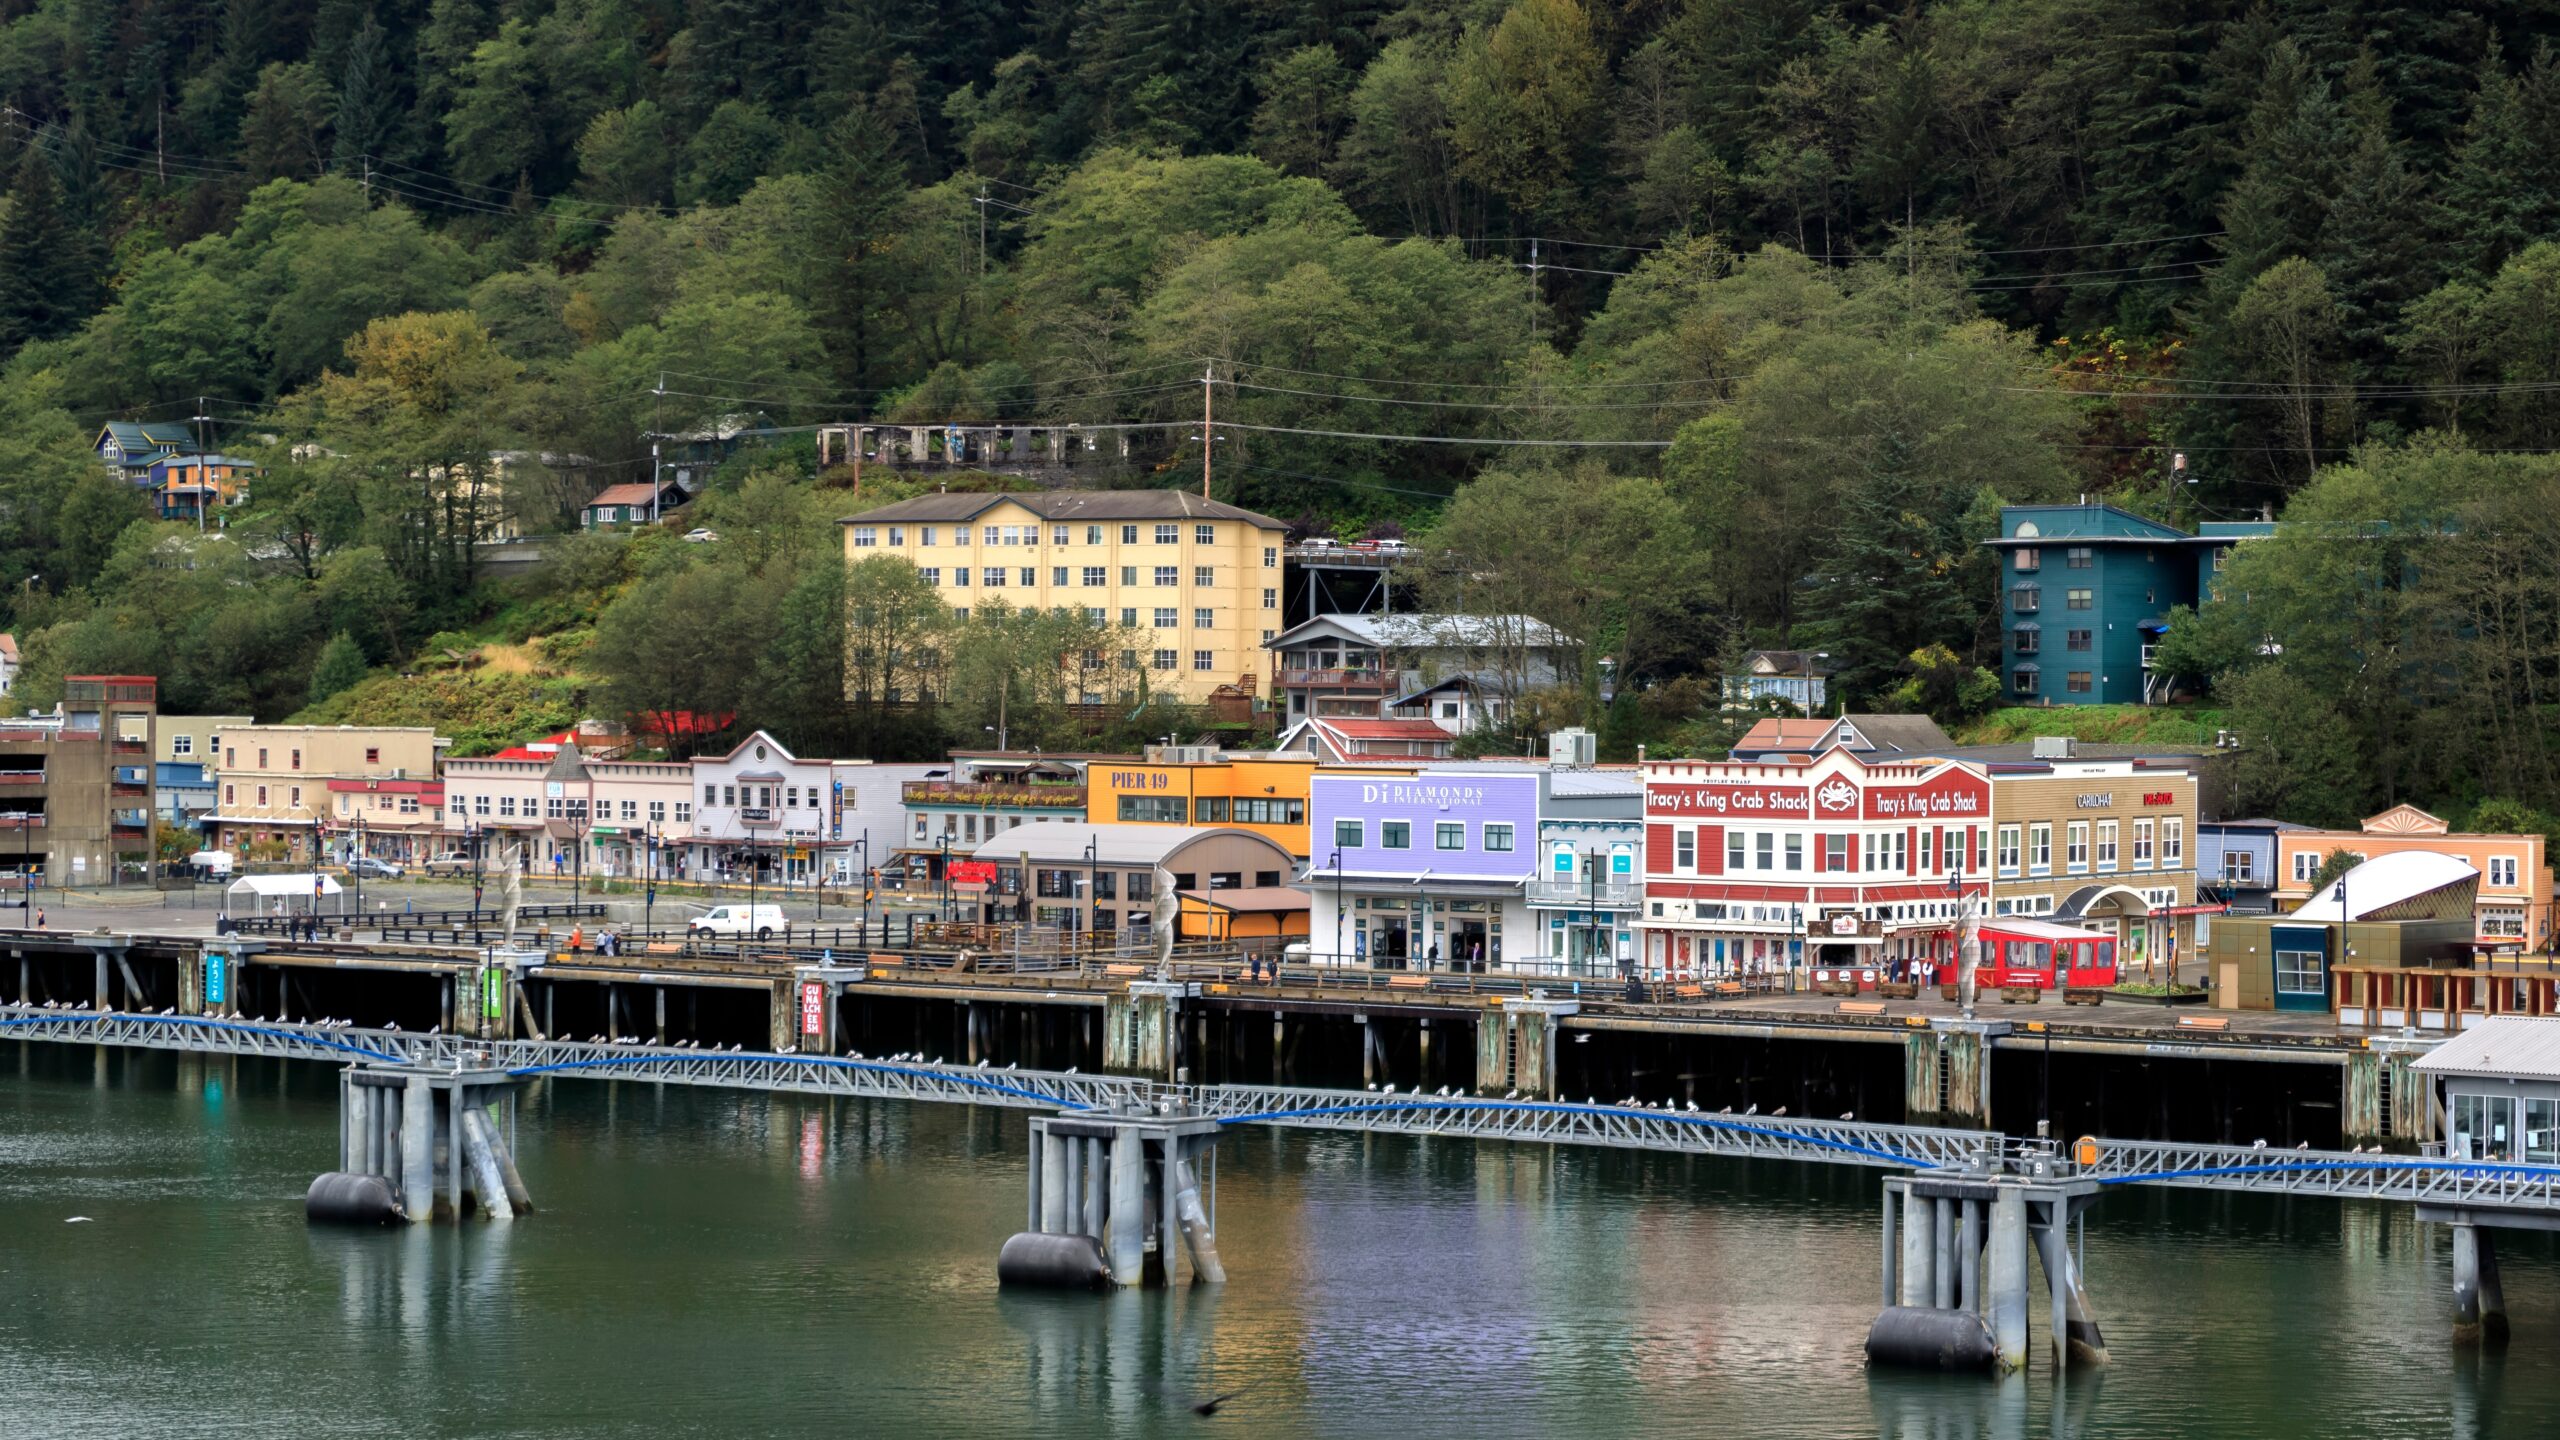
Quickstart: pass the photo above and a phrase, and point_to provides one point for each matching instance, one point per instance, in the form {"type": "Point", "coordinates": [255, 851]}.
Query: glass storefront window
{"type": "Point", "coordinates": [2298, 973]}
{"type": "Point", "coordinates": [2541, 1132]}
{"type": "Point", "coordinates": [2480, 1127]}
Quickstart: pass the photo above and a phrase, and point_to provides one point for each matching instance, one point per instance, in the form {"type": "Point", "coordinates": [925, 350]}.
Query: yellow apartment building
{"type": "Point", "coordinates": [1198, 578]}
{"type": "Point", "coordinates": [272, 781]}
{"type": "Point", "coordinates": [1198, 785]}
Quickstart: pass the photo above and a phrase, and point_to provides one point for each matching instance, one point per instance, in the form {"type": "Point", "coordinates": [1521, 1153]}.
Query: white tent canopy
{"type": "Point", "coordinates": [258, 890]}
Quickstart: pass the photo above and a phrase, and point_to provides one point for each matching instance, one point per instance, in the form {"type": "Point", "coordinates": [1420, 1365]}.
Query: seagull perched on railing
{"type": "Point", "coordinates": [2260, 1145]}
{"type": "Point", "coordinates": [1779, 1113]}
{"type": "Point", "coordinates": [1754, 1110]}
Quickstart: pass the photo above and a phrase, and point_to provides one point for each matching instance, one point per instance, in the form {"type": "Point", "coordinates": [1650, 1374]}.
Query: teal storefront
{"type": "Point", "coordinates": [2300, 954]}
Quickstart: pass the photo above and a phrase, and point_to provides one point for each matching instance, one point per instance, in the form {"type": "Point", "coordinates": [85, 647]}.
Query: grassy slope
{"type": "Point", "coordinates": [2097, 724]}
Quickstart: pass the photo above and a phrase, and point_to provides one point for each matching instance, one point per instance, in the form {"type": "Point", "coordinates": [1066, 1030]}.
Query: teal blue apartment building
{"type": "Point", "coordinates": [2085, 595]}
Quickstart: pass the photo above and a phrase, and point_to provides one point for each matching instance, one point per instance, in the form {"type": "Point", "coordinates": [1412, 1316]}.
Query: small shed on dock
{"type": "Point", "coordinates": [2499, 1084]}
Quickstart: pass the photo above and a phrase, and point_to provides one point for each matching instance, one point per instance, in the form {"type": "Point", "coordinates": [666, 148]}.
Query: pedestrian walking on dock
{"type": "Point", "coordinates": [39, 917]}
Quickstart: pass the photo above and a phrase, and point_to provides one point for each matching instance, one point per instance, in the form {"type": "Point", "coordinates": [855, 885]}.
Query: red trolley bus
{"type": "Point", "coordinates": [2043, 955]}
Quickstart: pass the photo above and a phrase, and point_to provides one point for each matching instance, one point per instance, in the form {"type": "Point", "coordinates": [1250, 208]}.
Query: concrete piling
{"type": "Point", "coordinates": [1125, 1235]}
{"type": "Point", "coordinates": [2006, 1284]}
{"type": "Point", "coordinates": [1942, 1273]}
{"type": "Point", "coordinates": [1918, 1283]}
{"type": "Point", "coordinates": [2479, 1299]}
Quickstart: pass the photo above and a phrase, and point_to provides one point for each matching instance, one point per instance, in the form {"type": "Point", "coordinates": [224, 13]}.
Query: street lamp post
{"type": "Point", "coordinates": [1811, 709]}
{"type": "Point", "coordinates": [648, 877]}
{"type": "Point", "coordinates": [862, 883]}
{"type": "Point", "coordinates": [946, 876]}
{"type": "Point", "coordinates": [1092, 867]}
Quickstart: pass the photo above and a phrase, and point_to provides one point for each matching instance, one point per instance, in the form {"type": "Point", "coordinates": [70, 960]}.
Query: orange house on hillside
{"type": "Point", "coordinates": [2513, 910]}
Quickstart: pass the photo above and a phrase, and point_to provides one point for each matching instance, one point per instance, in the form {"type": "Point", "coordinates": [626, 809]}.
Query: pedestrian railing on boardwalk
{"type": "Point", "coordinates": [1660, 1127]}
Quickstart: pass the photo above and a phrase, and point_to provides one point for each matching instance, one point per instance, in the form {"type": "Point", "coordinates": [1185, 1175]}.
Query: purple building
{"type": "Point", "coordinates": [1427, 870]}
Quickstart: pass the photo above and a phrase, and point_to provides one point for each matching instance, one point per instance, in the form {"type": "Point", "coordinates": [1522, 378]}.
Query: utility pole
{"type": "Point", "coordinates": [982, 230]}
{"type": "Point", "coordinates": [1533, 290]}
{"type": "Point", "coordinates": [204, 466]}
{"type": "Point", "coordinates": [1207, 436]}
{"type": "Point", "coordinates": [657, 434]}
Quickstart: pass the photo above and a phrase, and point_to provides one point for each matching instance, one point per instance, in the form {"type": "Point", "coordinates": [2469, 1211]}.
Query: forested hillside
{"type": "Point", "coordinates": [1752, 309]}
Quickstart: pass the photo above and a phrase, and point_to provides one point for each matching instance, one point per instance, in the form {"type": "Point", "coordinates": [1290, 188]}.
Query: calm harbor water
{"type": "Point", "coordinates": [710, 1263]}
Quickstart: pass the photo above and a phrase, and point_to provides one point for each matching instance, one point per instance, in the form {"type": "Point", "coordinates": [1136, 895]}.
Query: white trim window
{"type": "Point", "coordinates": [2142, 844]}
{"type": "Point", "coordinates": [2173, 844]}
{"type": "Point", "coordinates": [2008, 849]}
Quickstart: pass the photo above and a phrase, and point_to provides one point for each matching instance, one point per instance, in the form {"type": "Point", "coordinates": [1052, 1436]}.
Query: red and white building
{"type": "Point", "coordinates": [1754, 866]}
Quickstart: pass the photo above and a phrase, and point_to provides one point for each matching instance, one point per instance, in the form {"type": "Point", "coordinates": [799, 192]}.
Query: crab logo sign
{"type": "Point", "coordinates": [1839, 795]}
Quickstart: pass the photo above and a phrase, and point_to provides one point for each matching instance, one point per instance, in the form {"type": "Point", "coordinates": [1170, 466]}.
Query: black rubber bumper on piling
{"type": "Point", "coordinates": [342, 1198]}
{"type": "Point", "coordinates": [1053, 1262]}
{"type": "Point", "coordinates": [1914, 1337]}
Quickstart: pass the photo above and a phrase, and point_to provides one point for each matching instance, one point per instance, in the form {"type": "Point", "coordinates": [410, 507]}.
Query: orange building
{"type": "Point", "coordinates": [1203, 785]}
{"type": "Point", "coordinates": [2513, 908]}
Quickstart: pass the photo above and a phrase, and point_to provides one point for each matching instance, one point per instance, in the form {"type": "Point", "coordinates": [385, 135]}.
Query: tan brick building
{"type": "Point", "coordinates": [273, 780]}
{"type": "Point", "coordinates": [2104, 844]}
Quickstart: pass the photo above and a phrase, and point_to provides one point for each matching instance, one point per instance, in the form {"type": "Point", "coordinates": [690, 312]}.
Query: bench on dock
{"type": "Point", "coordinates": [1728, 987]}
{"type": "Point", "coordinates": [1408, 982]}
{"type": "Point", "coordinates": [1688, 994]}
{"type": "Point", "coordinates": [662, 947]}
{"type": "Point", "coordinates": [1860, 1007]}
{"type": "Point", "coordinates": [2204, 1022]}
{"type": "Point", "coordinates": [1123, 971]}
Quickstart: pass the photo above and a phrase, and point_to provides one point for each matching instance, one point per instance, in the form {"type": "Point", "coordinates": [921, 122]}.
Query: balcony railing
{"type": "Point", "coordinates": [21, 822]}
{"type": "Point", "coordinates": [21, 777]}
{"type": "Point", "coordinates": [992, 794]}
{"type": "Point", "coordinates": [1338, 679]}
{"type": "Point", "coordinates": [1606, 893]}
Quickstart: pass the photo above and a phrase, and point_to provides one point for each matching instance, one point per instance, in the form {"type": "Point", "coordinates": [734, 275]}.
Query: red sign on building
{"type": "Point", "coordinates": [813, 1008]}
{"type": "Point", "coordinates": [973, 872]}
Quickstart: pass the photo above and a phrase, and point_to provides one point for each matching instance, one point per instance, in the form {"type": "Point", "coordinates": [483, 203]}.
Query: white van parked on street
{"type": "Point", "coordinates": [762, 921]}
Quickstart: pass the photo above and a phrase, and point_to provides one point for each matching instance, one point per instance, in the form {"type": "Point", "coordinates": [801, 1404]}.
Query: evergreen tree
{"type": "Point", "coordinates": [341, 667]}
{"type": "Point", "coordinates": [2497, 196]}
{"type": "Point", "coordinates": [1891, 585]}
{"type": "Point", "coordinates": [2374, 246]}
{"type": "Point", "coordinates": [45, 289]}
{"type": "Point", "coordinates": [2297, 135]}
{"type": "Point", "coordinates": [865, 187]}
{"type": "Point", "coordinates": [369, 102]}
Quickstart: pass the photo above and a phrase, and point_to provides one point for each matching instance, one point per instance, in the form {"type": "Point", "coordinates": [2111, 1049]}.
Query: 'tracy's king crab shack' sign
{"type": "Point", "coordinates": [1948, 792]}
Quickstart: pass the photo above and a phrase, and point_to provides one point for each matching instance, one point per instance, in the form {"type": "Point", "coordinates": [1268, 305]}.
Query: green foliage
{"type": "Point", "coordinates": [481, 712]}
{"type": "Point", "coordinates": [2332, 866]}
{"type": "Point", "coordinates": [1831, 257]}
{"type": "Point", "coordinates": [340, 667]}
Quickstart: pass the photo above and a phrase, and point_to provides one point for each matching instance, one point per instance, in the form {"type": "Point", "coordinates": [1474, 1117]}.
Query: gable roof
{"type": "Point", "coordinates": [638, 492]}
{"type": "Point", "coordinates": [1068, 505]}
{"type": "Point", "coordinates": [1908, 734]}
{"type": "Point", "coordinates": [1783, 662]}
{"type": "Point", "coordinates": [1776, 733]}
{"type": "Point", "coordinates": [2499, 1046]}
{"type": "Point", "coordinates": [2405, 820]}
{"type": "Point", "coordinates": [1426, 631]}
{"type": "Point", "coordinates": [142, 435]}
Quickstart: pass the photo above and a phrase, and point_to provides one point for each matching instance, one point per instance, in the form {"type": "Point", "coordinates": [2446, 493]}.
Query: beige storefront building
{"type": "Point", "coordinates": [272, 781]}
{"type": "Point", "coordinates": [2104, 844]}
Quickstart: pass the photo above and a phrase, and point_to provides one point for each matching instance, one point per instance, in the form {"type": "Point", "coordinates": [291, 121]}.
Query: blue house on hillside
{"type": "Point", "coordinates": [131, 447]}
{"type": "Point", "coordinates": [2086, 592]}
